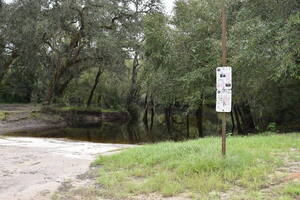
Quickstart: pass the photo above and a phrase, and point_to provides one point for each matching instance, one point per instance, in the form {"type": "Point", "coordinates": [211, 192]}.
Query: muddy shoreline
{"type": "Point", "coordinates": [18, 118]}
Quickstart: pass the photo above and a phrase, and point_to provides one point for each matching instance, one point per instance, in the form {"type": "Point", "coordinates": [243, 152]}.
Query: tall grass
{"type": "Point", "coordinates": [194, 166]}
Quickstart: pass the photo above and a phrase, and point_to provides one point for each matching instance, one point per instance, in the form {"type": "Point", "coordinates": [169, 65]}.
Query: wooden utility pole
{"type": "Point", "coordinates": [224, 35]}
{"type": "Point", "coordinates": [224, 63]}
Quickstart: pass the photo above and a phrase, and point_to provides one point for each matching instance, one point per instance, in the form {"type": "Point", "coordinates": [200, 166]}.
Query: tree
{"type": "Point", "coordinates": [264, 56]}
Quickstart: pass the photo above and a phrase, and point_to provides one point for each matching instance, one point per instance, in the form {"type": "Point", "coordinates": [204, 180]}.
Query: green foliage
{"type": "Point", "coordinates": [56, 43]}
{"type": "Point", "coordinates": [51, 51]}
{"type": "Point", "coordinates": [264, 59]}
{"type": "Point", "coordinates": [272, 127]}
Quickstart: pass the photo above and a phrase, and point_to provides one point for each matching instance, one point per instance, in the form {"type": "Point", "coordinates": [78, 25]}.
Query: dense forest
{"type": "Point", "coordinates": [130, 55]}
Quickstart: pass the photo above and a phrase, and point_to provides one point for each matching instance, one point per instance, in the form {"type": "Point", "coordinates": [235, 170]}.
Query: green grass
{"type": "Point", "coordinates": [292, 189]}
{"type": "Point", "coordinates": [2, 115]}
{"type": "Point", "coordinates": [194, 167]}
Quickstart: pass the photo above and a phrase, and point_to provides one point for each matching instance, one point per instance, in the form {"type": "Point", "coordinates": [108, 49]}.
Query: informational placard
{"type": "Point", "coordinates": [224, 101]}
{"type": "Point", "coordinates": [224, 89]}
{"type": "Point", "coordinates": [224, 78]}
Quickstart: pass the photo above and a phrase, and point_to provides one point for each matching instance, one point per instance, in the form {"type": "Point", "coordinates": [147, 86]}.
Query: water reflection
{"type": "Point", "coordinates": [133, 132]}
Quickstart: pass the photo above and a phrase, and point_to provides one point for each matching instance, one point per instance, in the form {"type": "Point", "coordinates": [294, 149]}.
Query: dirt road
{"type": "Point", "coordinates": [33, 168]}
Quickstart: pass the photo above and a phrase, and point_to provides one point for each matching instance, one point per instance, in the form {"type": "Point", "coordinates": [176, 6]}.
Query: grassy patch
{"type": "Point", "coordinates": [292, 189]}
{"type": "Point", "coordinates": [2, 115]}
{"type": "Point", "coordinates": [194, 166]}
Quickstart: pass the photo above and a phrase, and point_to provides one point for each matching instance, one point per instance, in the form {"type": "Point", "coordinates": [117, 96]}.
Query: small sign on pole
{"type": "Point", "coordinates": [224, 89]}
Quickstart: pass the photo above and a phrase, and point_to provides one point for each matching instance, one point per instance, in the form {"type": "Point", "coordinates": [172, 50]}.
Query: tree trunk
{"type": "Point", "coordinates": [171, 115]}
{"type": "Point", "coordinates": [233, 123]}
{"type": "Point", "coordinates": [53, 85]}
{"type": "Point", "coordinates": [243, 110]}
{"type": "Point", "coordinates": [131, 98]}
{"type": "Point", "coordinates": [61, 88]}
{"type": "Point", "coordinates": [89, 102]}
{"type": "Point", "coordinates": [145, 117]}
{"type": "Point", "coordinates": [168, 118]}
{"type": "Point", "coordinates": [99, 99]}
{"type": "Point", "coordinates": [187, 125]}
{"type": "Point", "coordinates": [132, 131]}
{"type": "Point", "coordinates": [199, 119]}
{"type": "Point", "coordinates": [250, 120]}
{"type": "Point", "coordinates": [7, 65]}
{"type": "Point", "coordinates": [238, 123]}
{"type": "Point", "coordinates": [49, 98]}
{"type": "Point", "coordinates": [247, 118]}
{"type": "Point", "coordinates": [152, 114]}
{"type": "Point", "coordinates": [243, 120]}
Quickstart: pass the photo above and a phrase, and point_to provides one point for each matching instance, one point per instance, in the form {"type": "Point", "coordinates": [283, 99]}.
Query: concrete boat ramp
{"type": "Point", "coordinates": [33, 168]}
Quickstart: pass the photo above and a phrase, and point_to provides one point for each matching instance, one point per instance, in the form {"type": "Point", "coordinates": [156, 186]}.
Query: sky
{"type": "Point", "coordinates": [168, 3]}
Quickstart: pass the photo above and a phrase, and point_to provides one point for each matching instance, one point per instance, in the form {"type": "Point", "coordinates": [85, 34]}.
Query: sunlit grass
{"type": "Point", "coordinates": [196, 166]}
{"type": "Point", "coordinates": [292, 189]}
{"type": "Point", "coordinates": [2, 115]}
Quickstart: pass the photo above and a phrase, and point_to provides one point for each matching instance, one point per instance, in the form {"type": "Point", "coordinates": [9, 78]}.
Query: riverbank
{"type": "Point", "coordinates": [22, 117]}
{"type": "Point", "coordinates": [18, 117]}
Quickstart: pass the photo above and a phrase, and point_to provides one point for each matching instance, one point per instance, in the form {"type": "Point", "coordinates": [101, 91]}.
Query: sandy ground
{"type": "Point", "coordinates": [33, 168]}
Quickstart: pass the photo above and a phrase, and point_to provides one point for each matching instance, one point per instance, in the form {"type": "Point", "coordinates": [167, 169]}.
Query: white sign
{"type": "Point", "coordinates": [224, 78]}
{"type": "Point", "coordinates": [224, 86]}
{"type": "Point", "coordinates": [224, 101]}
